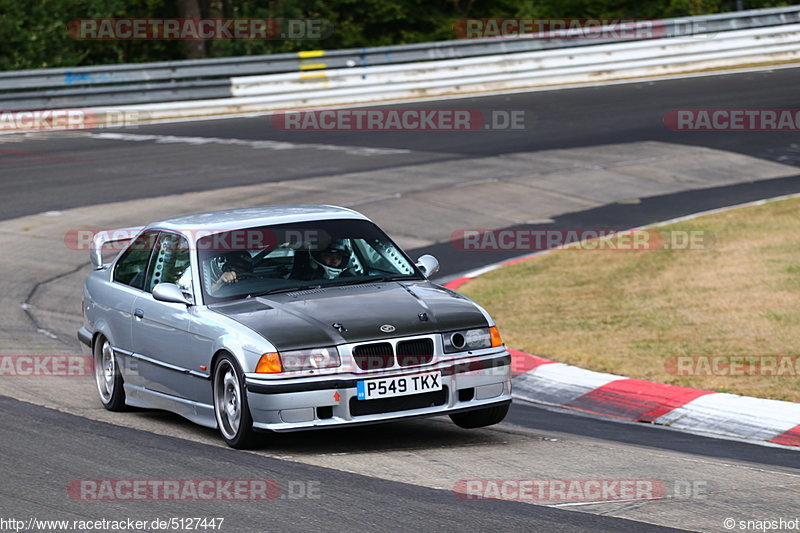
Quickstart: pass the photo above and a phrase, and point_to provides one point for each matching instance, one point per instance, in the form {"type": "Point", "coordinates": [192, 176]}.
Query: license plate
{"type": "Point", "coordinates": [399, 386]}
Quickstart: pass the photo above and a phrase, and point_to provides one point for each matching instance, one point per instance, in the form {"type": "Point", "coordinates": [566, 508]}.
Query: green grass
{"type": "Point", "coordinates": [626, 312]}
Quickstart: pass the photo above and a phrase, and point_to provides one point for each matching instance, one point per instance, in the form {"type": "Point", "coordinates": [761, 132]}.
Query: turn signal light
{"type": "Point", "coordinates": [270, 363]}
{"type": "Point", "coordinates": [495, 335]}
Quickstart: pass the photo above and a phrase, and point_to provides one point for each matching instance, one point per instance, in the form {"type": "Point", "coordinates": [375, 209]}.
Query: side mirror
{"type": "Point", "coordinates": [170, 293]}
{"type": "Point", "coordinates": [428, 264]}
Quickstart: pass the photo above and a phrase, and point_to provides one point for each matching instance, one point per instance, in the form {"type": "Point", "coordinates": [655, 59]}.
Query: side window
{"type": "Point", "coordinates": [131, 267]}
{"type": "Point", "coordinates": [382, 256]}
{"type": "Point", "coordinates": [170, 263]}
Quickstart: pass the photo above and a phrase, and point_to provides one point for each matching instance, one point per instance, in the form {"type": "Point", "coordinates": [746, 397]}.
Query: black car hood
{"type": "Point", "coordinates": [305, 319]}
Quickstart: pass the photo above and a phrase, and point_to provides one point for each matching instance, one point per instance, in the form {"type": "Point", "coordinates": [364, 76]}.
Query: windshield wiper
{"type": "Point", "coordinates": [405, 277]}
{"type": "Point", "coordinates": [351, 282]}
{"type": "Point", "coordinates": [289, 289]}
{"type": "Point", "coordinates": [370, 280]}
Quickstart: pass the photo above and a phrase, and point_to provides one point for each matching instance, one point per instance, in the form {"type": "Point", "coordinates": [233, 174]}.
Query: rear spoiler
{"type": "Point", "coordinates": [103, 237]}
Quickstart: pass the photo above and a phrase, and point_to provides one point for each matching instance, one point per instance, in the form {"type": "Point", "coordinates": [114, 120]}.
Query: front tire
{"type": "Point", "coordinates": [234, 421]}
{"type": "Point", "coordinates": [110, 385]}
{"type": "Point", "coordinates": [480, 417]}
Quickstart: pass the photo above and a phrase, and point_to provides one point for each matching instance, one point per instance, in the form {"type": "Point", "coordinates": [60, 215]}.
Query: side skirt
{"type": "Point", "coordinates": [199, 413]}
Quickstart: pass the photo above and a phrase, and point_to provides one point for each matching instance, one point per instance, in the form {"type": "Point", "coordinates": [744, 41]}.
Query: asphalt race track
{"type": "Point", "coordinates": [596, 157]}
{"type": "Point", "coordinates": [64, 172]}
{"type": "Point", "coordinates": [349, 500]}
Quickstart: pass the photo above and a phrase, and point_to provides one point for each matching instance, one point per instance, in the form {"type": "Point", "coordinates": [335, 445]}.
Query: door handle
{"type": "Point", "coordinates": [138, 313]}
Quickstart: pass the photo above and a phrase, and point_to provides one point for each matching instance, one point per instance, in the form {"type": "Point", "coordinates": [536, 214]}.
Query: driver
{"type": "Point", "coordinates": [331, 262]}
{"type": "Point", "coordinates": [233, 265]}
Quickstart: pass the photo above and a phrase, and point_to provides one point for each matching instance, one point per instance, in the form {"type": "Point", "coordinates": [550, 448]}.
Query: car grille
{"type": "Point", "coordinates": [373, 356]}
{"type": "Point", "coordinates": [414, 352]}
{"type": "Point", "coordinates": [400, 403]}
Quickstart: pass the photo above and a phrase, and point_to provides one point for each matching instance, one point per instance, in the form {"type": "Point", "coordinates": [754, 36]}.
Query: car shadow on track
{"type": "Point", "coordinates": [415, 434]}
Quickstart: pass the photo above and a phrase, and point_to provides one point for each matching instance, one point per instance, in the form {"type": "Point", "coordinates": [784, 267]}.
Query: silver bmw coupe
{"type": "Point", "coordinates": [285, 318]}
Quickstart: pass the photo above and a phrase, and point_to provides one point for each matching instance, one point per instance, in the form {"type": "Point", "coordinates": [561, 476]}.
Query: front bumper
{"type": "Point", "coordinates": [298, 404]}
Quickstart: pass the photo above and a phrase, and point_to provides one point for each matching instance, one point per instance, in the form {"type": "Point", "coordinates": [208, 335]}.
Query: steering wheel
{"type": "Point", "coordinates": [216, 269]}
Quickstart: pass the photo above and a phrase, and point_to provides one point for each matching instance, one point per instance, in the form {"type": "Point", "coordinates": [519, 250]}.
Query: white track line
{"type": "Point", "coordinates": [256, 144]}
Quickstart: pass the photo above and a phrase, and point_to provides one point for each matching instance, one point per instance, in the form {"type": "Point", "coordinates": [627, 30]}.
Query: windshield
{"type": "Point", "coordinates": [281, 258]}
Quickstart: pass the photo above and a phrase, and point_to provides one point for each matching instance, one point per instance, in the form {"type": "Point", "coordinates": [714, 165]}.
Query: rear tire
{"type": "Point", "coordinates": [232, 412]}
{"type": "Point", "coordinates": [480, 417]}
{"type": "Point", "coordinates": [110, 385]}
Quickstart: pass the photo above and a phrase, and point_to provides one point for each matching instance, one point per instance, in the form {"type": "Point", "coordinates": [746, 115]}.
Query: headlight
{"type": "Point", "coordinates": [311, 359]}
{"type": "Point", "coordinates": [471, 339]}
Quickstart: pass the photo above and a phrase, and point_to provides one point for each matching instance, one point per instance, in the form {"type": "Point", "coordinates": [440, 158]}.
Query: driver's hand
{"type": "Point", "coordinates": [228, 277]}
{"type": "Point", "coordinates": [225, 278]}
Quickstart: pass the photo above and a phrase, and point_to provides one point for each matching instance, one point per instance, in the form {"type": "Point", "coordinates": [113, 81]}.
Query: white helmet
{"type": "Point", "coordinates": [333, 260]}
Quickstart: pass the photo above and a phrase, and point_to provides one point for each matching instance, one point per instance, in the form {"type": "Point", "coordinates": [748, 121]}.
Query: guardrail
{"type": "Point", "coordinates": [373, 74]}
{"type": "Point", "coordinates": [594, 64]}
